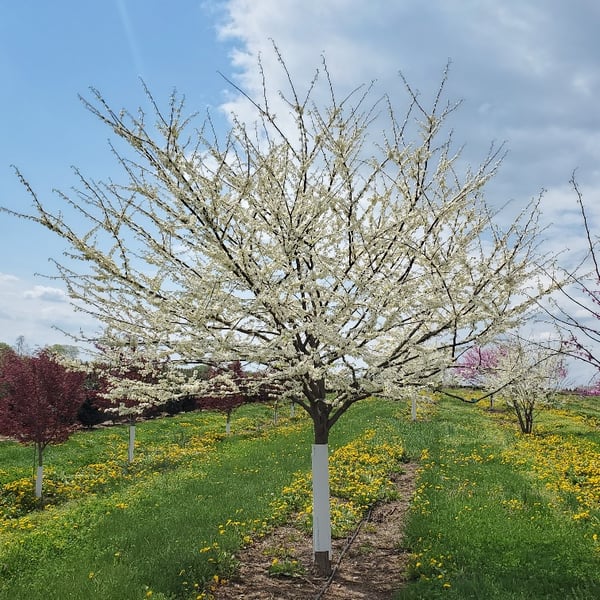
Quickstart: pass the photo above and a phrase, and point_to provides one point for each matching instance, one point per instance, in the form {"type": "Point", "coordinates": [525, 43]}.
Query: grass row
{"type": "Point", "coordinates": [167, 525]}
{"type": "Point", "coordinates": [498, 515]}
{"type": "Point", "coordinates": [495, 515]}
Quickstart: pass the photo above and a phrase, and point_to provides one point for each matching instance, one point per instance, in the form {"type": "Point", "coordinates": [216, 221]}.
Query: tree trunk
{"type": "Point", "coordinates": [320, 477]}
{"type": "Point", "coordinates": [529, 420]}
{"type": "Point", "coordinates": [321, 508]}
{"type": "Point", "coordinates": [131, 442]}
{"type": "Point", "coordinates": [40, 471]}
{"type": "Point", "coordinates": [228, 424]}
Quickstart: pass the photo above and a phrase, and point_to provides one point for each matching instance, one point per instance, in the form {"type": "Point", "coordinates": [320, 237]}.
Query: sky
{"type": "Point", "coordinates": [527, 73]}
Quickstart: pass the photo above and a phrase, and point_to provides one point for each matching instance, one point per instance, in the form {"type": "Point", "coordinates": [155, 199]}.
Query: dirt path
{"type": "Point", "coordinates": [372, 566]}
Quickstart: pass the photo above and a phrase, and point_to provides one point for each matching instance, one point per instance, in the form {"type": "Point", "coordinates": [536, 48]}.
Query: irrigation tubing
{"type": "Point", "coordinates": [342, 554]}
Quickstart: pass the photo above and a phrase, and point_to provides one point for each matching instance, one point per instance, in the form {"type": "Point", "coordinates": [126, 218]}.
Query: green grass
{"type": "Point", "coordinates": [490, 519]}
{"type": "Point", "coordinates": [484, 523]}
{"type": "Point", "coordinates": [144, 531]}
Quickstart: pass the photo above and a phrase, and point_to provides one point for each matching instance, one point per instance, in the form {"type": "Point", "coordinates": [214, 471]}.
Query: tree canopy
{"type": "Point", "coordinates": [344, 249]}
{"type": "Point", "coordinates": [39, 399]}
{"type": "Point", "coordinates": [339, 245]}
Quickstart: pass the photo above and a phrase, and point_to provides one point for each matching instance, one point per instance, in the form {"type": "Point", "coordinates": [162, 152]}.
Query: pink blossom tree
{"type": "Point", "coordinates": [476, 362]}
{"type": "Point", "coordinates": [476, 365]}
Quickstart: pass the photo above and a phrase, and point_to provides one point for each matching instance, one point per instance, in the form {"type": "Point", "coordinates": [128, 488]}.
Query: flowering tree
{"type": "Point", "coordinates": [580, 317]}
{"type": "Point", "coordinates": [477, 364]}
{"type": "Point", "coordinates": [527, 374]}
{"type": "Point", "coordinates": [39, 400]}
{"type": "Point", "coordinates": [338, 245]}
{"type": "Point", "coordinates": [129, 379]}
{"type": "Point", "coordinates": [225, 391]}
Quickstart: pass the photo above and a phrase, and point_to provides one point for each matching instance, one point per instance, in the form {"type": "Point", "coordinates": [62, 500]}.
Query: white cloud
{"type": "Point", "coordinates": [48, 294]}
{"type": "Point", "coordinates": [37, 312]}
{"type": "Point", "coordinates": [527, 71]}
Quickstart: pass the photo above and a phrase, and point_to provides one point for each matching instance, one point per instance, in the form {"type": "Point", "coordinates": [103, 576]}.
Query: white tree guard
{"type": "Point", "coordinates": [321, 506]}
{"type": "Point", "coordinates": [131, 443]}
{"type": "Point", "coordinates": [38, 481]}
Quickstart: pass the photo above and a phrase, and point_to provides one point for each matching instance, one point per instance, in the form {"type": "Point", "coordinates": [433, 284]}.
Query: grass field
{"type": "Point", "coordinates": [496, 514]}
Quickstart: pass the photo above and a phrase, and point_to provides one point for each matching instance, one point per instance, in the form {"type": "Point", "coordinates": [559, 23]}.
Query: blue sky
{"type": "Point", "coordinates": [527, 70]}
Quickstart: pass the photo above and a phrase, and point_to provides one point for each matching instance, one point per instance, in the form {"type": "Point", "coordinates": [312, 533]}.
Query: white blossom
{"type": "Point", "coordinates": [341, 249]}
{"type": "Point", "coordinates": [347, 263]}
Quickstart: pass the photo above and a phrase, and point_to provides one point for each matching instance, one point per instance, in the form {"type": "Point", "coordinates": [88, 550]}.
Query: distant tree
{"type": "Point", "coordinates": [527, 374]}
{"type": "Point", "coordinates": [225, 391]}
{"type": "Point", "coordinates": [134, 382]}
{"type": "Point", "coordinates": [39, 403]}
{"type": "Point", "coordinates": [21, 346]}
{"type": "Point", "coordinates": [579, 317]}
{"type": "Point", "coordinates": [337, 241]}
{"type": "Point", "coordinates": [477, 364]}
{"type": "Point", "coordinates": [65, 350]}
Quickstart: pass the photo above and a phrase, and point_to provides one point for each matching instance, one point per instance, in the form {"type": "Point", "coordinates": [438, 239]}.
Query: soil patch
{"type": "Point", "coordinates": [369, 564]}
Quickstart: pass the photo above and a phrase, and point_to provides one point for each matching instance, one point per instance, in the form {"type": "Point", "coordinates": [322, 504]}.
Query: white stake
{"type": "Point", "coordinates": [38, 481]}
{"type": "Point", "coordinates": [321, 507]}
{"type": "Point", "coordinates": [131, 443]}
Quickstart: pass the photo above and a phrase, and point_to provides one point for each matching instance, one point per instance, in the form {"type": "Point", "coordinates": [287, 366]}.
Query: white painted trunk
{"type": "Point", "coordinates": [131, 443]}
{"type": "Point", "coordinates": [39, 478]}
{"type": "Point", "coordinates": [292, 409]}
{"type": "Point", "coordinates": [228, 427]}
{"type": "Point", "coordinates": [321, 506]}
{"type": "Point", "coordinates": [413, 410]}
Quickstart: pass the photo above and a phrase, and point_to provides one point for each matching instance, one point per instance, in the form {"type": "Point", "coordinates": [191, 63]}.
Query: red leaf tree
{"type": "Point", "coordinates": [39, 400]}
